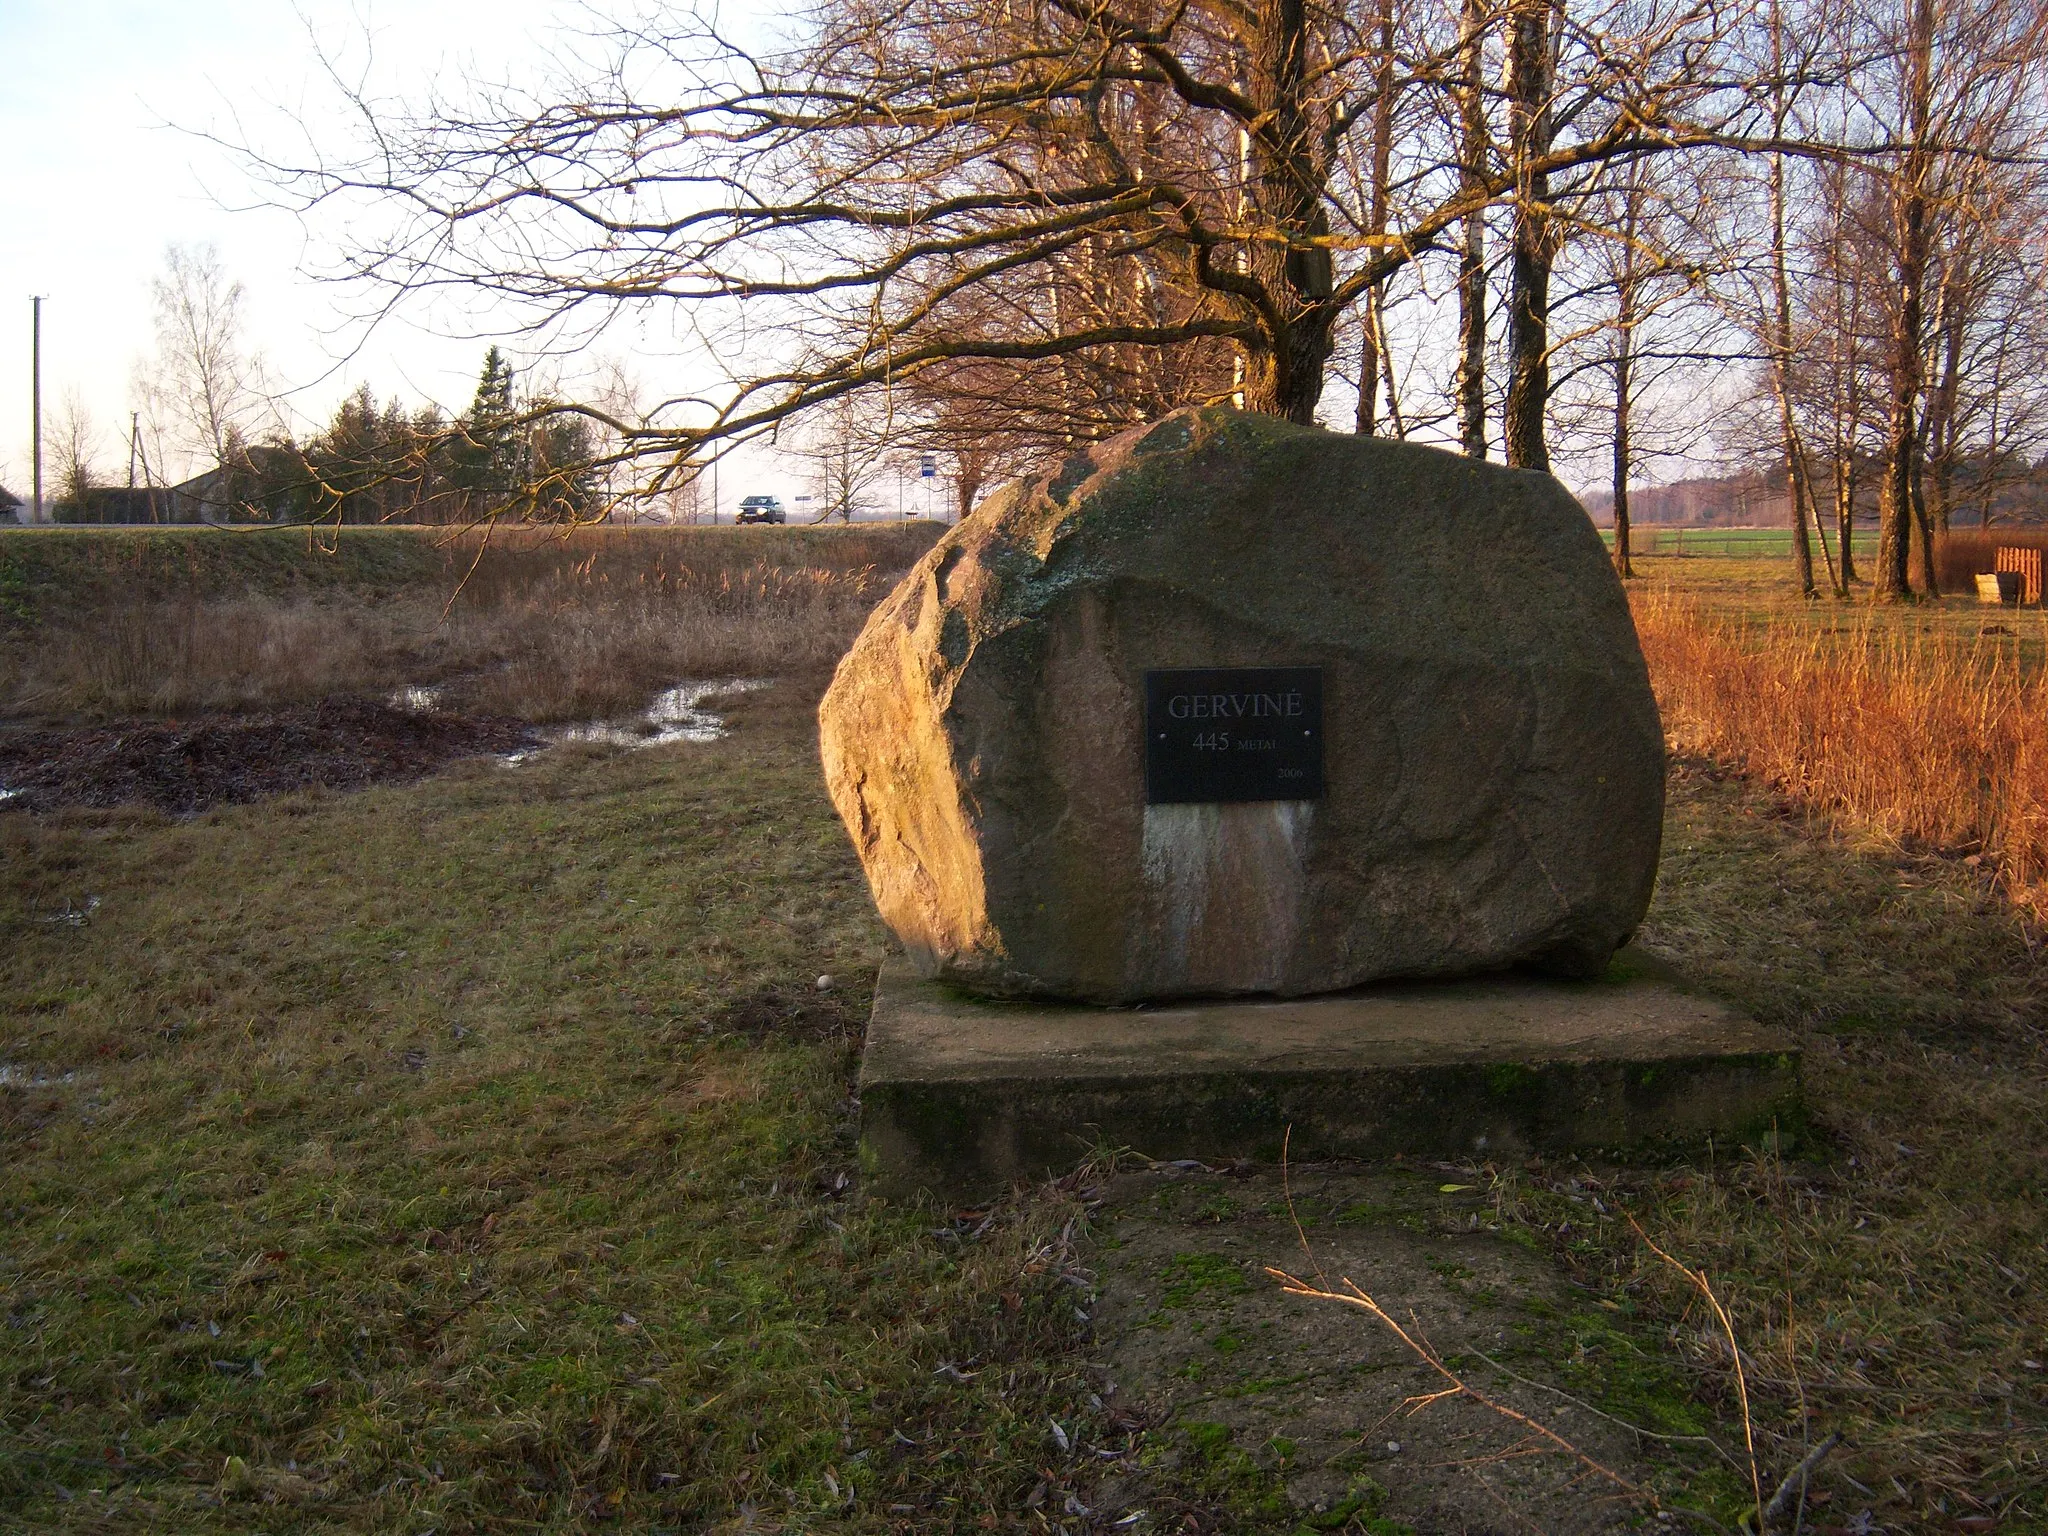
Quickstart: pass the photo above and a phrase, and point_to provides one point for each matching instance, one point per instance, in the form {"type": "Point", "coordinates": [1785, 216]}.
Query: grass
{"type": "Point", "coordinates": [1856, 803]}
{"type": "Point", "coordinates": [1650, 539]}
{"type": "Point", "coordinates": [1924, 730]}
{"type": "Point", "coordinates": [1886, 1277]}
{"type": "Point", "coordinates": [470, 1156]}
{"type": "Point", "coordinates": [531, 625]}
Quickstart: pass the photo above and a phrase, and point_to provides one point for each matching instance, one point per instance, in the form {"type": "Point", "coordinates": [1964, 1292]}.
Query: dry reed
{"type": "Point", "coordinates": [543, 629]}
{"type": "Point", "coordinates": [1932, 740]}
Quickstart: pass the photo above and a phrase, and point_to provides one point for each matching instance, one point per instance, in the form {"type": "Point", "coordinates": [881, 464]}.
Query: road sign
{"type": "Point", "coordinates": [927, 466]}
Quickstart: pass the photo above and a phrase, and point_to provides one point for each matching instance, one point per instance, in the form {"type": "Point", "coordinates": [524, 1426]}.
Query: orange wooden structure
{"type": "Point", "coordinates": [2027, 562]}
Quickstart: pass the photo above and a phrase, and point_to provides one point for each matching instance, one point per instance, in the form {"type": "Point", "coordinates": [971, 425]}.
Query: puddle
{"type": "Point", "coordinates": [74, 917]}
{"type": "Point", "coordinates": [419, 700]}
{"type": "Point", "coordinates": [677, 714]}
{"type": "Point", "coordinates": [13, 1075]}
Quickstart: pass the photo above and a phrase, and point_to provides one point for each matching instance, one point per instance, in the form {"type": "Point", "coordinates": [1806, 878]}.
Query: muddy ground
{"type": "Point", "coordinates": [1283, 1408]}
{"type": "Point", "coordinates": [183, 767]}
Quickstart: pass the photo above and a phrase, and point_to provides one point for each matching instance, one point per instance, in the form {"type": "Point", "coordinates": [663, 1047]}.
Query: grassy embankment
{"type": "Point", "coordinates": [540, 627]}
{"type": "Point", "coordinates": [496, 1125]}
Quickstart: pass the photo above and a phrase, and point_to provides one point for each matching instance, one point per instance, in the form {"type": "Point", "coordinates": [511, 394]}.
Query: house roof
{"type": "Point", "coordinates": [8, 500]}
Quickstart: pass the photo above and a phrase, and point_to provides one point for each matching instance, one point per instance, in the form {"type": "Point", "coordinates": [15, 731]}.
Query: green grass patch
{"type": "Point", "coordinates": [415, 1159]}
{"type": "Point", "coordinates": [1196, 1277]}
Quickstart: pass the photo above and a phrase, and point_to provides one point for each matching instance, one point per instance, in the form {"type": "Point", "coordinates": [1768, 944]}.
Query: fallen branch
{"type": "Point", "coordinates": [1350, 1295]}
{"type": "Point", "coordinates": [1789, 1502]}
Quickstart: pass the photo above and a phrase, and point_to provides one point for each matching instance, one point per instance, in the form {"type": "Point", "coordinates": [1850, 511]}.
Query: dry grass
{"type": "Point", "coordinates": [1928, 738]}
{"type": "Point", "coordinates": [1863, 878]}
{"type": "Point", "coordinates": [577, 648]}
{"type": "Point", "coordinates": [533, 626]}
{"type": "Point", "coordinates": [1886, 1280]}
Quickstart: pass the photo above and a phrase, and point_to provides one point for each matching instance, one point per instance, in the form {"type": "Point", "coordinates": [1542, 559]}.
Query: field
{"type": "Point", "coordinates": [1709, 543]}
{"type": "Point", "coordinates": [473, 1152]}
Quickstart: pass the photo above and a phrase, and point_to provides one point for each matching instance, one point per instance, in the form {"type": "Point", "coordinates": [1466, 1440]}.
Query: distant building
{"type": "Point", "coordinates": [210, 497]}
{"type": "Point", "coordinates": [10, 506]}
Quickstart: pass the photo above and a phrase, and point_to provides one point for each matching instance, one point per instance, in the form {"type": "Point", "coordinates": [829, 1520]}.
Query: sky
{"type": "Point", "coordinates": [107, 104]}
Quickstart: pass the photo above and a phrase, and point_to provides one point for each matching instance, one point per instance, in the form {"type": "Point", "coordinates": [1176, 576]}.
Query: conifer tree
{"type": "Point", "coordinates": [487, 457]}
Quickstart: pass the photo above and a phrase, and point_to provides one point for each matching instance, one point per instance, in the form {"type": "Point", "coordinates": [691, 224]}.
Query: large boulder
{"type": "Point", "coordinates": [1493, 766]}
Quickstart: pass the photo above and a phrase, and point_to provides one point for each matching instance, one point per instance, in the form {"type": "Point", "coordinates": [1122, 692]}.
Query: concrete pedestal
{"type": "Point", "coordinates": [960, 1095]}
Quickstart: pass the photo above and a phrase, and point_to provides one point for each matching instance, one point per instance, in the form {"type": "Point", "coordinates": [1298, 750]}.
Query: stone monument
{"type": "Point", "coordinates": [1227, 709]}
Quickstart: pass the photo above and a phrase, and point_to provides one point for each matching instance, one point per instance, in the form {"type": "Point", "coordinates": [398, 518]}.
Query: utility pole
{"type": "Point", "coordinates": [134, 432]}
{"type": "Point", "coordinates": [36, 405]}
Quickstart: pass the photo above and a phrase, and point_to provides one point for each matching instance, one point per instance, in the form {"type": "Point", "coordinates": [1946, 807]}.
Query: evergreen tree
{"type": "Point", "coordinates": [487, 458]}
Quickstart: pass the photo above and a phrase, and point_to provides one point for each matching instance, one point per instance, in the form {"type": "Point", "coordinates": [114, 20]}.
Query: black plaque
{"type": "Point", "coordinates": [1233, 733]}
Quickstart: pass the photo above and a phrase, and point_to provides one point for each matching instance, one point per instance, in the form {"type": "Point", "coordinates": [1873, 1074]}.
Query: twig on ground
{"type": "Point", "coordinates": [1287, 1194]}
{"type": "Point", "coordinates": [1635, 1429]}
{"type": "Point", "coordinates": [1351, 1295]}
{"type": "Point", "coordinates": [1699, 1281]}
{"type": "Point", "coordinates": [1790, 1499]}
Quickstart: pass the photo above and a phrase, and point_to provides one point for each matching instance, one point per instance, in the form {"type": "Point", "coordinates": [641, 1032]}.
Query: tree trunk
{"type": "Point", "coordinates": [1377, 318]}
{"type": "Point", "coordinates": [1848, 419]}
{"type": "Point", "coordinates": [1895, 507]}
{"type": "Point", "coordinates": [1811, 506]}
{"type": "Point", "coordinates": [1781, 324]}
{"type": "Point", "coordinates": [1938, 461]}
{"type": "Point", "coordinates": [1528, 392]}
{"type": "Point", "coordinates": [1284, 373]}
{"type": "Point", "coordinates": [1371, 358]}
{"type": "Point", "coordinates": [1622, 385]}
{"type": "Point", "coordinates": [1910, 223]}
{"type": "Point", "coordinates": [969, 469]}
{"type": "Point", "coordinates": [1626, 279]}
{"type": "Point", "coordinates": [1845, 517]}
{"type": "Point", "coordinates": [1368, 371]}
{"type": "Point", "coordinates": [1926, 527]}
{"type": "Point", "coordinates": [1797, 491]}
{"type": "Point", "coordinates": [1471, 380]}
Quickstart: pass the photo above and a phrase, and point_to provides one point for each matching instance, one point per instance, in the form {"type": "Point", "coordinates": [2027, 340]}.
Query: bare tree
{"type": "Point", "coordinates": [1831, 378]}
{"type": "Point", "coordinates": [1639, 327]}
{"type": "Point", "coordinates": [1532, 30]}
{"type": "Point", "coordinates": [74, 451]}
{"type": "Point", "coordinates": [202, 389]}
{"type": "Point", "coordinates": [1472, 180]}
{"type": "Point", "coordinates": [846, 442]}
{"type": "Point", "coordinates": [1962, 80]}
{"type": "Point", "coordinates": [918, 184]}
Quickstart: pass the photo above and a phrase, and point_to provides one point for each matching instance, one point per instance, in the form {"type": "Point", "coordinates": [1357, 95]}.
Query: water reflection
{"type": "Point", "coordinates": [677, 714]}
